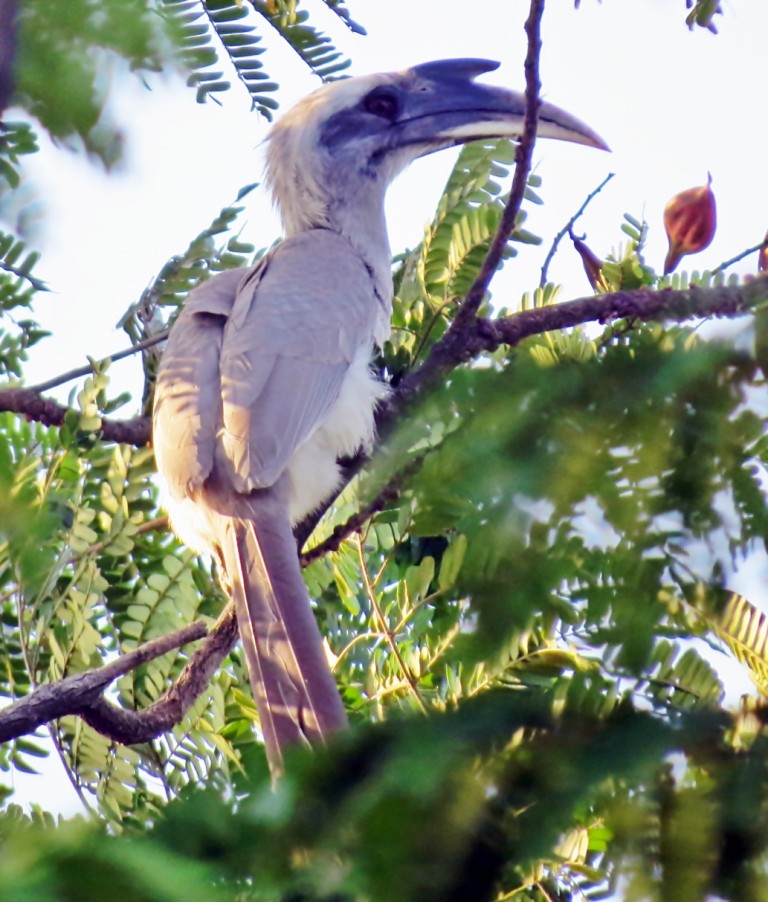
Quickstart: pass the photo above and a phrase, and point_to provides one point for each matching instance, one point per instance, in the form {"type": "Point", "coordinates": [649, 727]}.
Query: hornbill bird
{"type": "Point", "coordinates": [266, 378]}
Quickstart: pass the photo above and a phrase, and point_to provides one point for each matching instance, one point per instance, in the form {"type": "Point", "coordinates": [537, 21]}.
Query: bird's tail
{"type": "Point", "coordinates": [294, 689]}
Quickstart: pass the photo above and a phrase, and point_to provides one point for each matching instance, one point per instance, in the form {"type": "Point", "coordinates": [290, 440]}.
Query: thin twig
{"type": "Point", "coordinates": [88, 369]}
{"type": "Point", "coordinates": [568, 226]}
{"type": "Point", "coordinates": [726, 263]}
{"type": "Point", "coordinates": [390, 491]}
{"type": "Point", "coordinates": [389, 635]}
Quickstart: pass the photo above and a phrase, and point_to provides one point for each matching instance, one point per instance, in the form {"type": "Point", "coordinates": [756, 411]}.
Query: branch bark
{"type": "Point", "coordinates": [34, 406]}
{"type": "Point", "coordinates": [75, 694]}
{"type": "Point", "coordinates": [135, 727]}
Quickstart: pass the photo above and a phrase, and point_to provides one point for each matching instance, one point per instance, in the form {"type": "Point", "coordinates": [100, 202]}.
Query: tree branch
{"type": "Point", "coordinates": [73, 695]}
{"type": "Point", "coordinates": [467, 337]}
{"type": "Point", "coordinates": [523, 160]}
{"type": "Point", "coordinates": [478, 336]}
{"type": "Point", "coordinates": [731, 260]}
{"type": "Point", "coordinates": [459, 346]}
{"type": "Point", "coordinates": [135, 727]}
{"type": "Point", "coordinates": [462, 343]}
{"type": "Point", "coordinates": [28, 403]}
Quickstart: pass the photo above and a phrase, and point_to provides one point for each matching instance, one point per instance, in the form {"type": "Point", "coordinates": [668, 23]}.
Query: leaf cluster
{"type": "Point", "coordinates": [18, 286]}
{"type": "Point", "coordinates": [234, 29]}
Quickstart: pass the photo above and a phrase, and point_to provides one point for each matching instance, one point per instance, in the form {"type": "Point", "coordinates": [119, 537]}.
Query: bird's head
{"type": "Point", "coordinates": [354, 136]}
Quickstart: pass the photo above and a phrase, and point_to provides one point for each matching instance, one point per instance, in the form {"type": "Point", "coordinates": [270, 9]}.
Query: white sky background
{"type": "Point", "coordinates": [672, 104]}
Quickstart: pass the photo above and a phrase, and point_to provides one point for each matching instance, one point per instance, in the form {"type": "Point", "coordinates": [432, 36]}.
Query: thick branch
{"type": "Point", "coordinates": [73, 694]}
{"type": "Point", "coordinates": [28, 403]}
{"type": "Point", "coordinates": [459, 346]}
{"type": "Point", "coordinates": [135, 727]}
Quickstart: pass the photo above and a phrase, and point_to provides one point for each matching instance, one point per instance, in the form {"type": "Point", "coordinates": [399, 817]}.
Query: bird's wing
{"type": "Point", "coordinates": [294, 330]}
{"type": "Point", "coordinates": [187, 393]}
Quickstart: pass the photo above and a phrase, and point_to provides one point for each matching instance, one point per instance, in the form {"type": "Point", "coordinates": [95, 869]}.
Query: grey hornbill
{"type": "Point", "coordinates": [266, 377]}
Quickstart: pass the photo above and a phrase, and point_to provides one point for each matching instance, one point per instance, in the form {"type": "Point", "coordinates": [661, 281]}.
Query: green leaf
{"type": "Point", "coordinates": [745, 630]}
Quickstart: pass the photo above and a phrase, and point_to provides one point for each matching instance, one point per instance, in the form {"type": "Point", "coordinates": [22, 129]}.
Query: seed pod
{"type": "Point", "coordinates": [690, 219]}
{"type": "Point", "coordinates": [591, 262]}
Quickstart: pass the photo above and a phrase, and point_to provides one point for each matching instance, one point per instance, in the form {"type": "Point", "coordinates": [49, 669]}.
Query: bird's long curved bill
{"type": "Point", "coordinates": [552, 122]}
{"type": "Point", "coordinates": [452, 106]}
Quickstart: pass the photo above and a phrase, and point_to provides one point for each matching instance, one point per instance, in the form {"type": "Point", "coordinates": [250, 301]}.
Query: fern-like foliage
{"type": "Point", "coordinates": [312, 46]}
{"type": "Point", "coordinates": [466, 220]}
{"type": "Point", "coordinates": [16, 140]}
{"type": "Point", "coordinates": [702, 13]}
{"type": "Point", "coordinates": [18, 286]}
{"type": "Point", "coordinates": [18, 264]}
{"type": "Point", "coordinates": [99, 584]}
{"type": "Point", "coordinates": [338, 7]}
{"type": "Point", "coordinates": [439, 272]}
{"type": "Point", "coordinates": [206, 254]}
{"type": "Point", "coordinates": [744, 629]}
{"type": "Point", "coordinates": [683, 678]}
{"type": "Point", "coordinates": [204, 28]}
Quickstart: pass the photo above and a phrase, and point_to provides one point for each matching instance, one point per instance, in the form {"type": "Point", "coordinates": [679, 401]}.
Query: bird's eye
{"type": "Point", "coordinates": [382, 102]}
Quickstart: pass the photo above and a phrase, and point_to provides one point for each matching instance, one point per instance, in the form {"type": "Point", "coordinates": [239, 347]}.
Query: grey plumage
{"type": "Point", "coordinates": [265, 380]}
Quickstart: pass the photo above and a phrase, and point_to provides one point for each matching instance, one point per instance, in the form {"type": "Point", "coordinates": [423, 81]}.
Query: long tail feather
{"type": "Point", "coordinates": [294, 690]}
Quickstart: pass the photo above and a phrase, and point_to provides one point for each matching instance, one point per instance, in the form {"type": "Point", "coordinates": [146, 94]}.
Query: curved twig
{"type": "Point", "coordinates": [568, 226]}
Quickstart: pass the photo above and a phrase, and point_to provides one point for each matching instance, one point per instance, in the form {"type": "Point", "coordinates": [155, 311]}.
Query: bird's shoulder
{"type": "Point", "coordinates": [316, 273]}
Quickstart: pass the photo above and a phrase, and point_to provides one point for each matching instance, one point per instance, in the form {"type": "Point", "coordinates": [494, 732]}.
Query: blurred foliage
{"type": "Point", "coordinates": [702, 13]}
{"type": "Point", "coordinates": [527, 637]}
{"type": "Point", "coordinates": [18, 286]}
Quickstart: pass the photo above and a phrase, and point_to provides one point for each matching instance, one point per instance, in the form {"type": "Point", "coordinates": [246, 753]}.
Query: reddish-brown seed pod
{"type": "Point", "coordinates": [592, 263]}
{"type": "Point", "coordinates": [690, 219]}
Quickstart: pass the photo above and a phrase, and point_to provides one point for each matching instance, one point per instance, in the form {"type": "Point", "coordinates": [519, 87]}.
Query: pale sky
{"type": "Point", "coordinates": [672, 104]}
